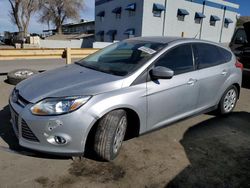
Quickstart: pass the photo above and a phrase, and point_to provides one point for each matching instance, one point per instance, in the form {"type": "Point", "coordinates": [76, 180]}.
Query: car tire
{"type": "Point", "coordinates": [228, 100]}
{"type": "Point", "coordinates": [16, 76]}
{"type": "Point", "coordinates": [110, 133]}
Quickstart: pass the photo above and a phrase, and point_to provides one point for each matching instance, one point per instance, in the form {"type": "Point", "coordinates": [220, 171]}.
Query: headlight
{"type": "Point", "coordinates": [56, 106]}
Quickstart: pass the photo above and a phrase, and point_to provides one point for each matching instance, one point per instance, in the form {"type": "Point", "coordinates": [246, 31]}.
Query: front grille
{"type": "Point", "coordinates": [21, 101]}
{"type": "Point", "coordinates": [27, 133]}
{"type": "Point", "coordinates": [16, 121]}
{"type": "Point", "coordinates": [18, 99]}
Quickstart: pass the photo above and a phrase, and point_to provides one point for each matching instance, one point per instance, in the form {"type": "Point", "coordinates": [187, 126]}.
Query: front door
{"type": "Point", "coordinates": [172, 99]}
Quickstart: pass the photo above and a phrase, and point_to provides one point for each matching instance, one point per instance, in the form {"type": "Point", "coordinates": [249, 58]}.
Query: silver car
{"type": "Point", "coordinates": [122, 91]}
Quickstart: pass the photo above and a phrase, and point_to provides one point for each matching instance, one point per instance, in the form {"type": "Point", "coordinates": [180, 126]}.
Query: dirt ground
{"type": "Point", "coordinates": [204, 151]}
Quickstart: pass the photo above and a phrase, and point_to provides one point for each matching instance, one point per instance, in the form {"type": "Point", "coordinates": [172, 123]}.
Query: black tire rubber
{"type": "Point", "coordinates": [105, 134]}
{"type": "Point", "coordinates": [221, 109]}
{"type": "Point", "coordinates": [14, 80]}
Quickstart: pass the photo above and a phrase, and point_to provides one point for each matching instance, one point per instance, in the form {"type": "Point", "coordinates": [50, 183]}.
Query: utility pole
{"type": "Point", "coordinates": [223, 21]}
{"type": "Point", "coordinates": [164, 18]}
{"type": "Point", "coordinates": [203, 12]}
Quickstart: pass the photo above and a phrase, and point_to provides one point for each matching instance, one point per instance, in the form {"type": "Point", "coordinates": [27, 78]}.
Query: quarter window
{"type": "Point", "coordinates": [179, 59]}
{"type": "Point", "coordinates": [227, 56]}
{"type": "Point", "coordinates": [207, 55]}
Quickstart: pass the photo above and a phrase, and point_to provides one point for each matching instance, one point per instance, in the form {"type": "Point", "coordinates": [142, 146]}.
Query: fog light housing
{"type": "Point", "coordinates": [60, 140]}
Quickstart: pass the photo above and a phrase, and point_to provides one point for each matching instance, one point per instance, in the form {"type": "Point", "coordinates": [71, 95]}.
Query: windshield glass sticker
{"type": "Point", "coordinates": [147, 50]}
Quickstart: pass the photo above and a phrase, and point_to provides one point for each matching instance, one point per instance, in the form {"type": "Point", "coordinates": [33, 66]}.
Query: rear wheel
{"type": "Point", "coordinates": [110, 133]}
{"type": "Point", "coordinates": [228, 100]}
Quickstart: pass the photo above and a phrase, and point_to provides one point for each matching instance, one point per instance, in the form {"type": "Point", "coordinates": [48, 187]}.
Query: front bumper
{"type": "Point", "coordinates": [38, 132]}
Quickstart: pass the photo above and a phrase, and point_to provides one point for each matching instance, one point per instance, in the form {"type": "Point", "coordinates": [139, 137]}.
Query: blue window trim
{"type": "Point", "coordinates": [101, 14]}
{"type": "Point", "coordinates": [214, 5]}
{"type": "Point", "coordinates": [182, 12]}
{"type": "Point", "coordinates": [101, 2]}
{"type": "Point", "coordinates": [199, 15]}
{"type": "Point", "coordinates": [211, 4]}
{"type": "Point", "coordinates": [214, 18]}
{"type": "Point", "coordinates": [228, 21]}
{"type": "Point", "coordinates": [158, 7]}
{"type": "Point", "coordinates": [130, 31]}
{"type": "Point", "coordinates": [100, 33]}
{"type": "Point", "coordinates": [111, 32]}
{"type": "Point", "coordinates": [117, 10]}
{"type": "Point", "coordinates": [131, 7]}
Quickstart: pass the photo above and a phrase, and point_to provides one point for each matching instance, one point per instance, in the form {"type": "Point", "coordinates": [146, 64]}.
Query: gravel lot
{"type": "Point", "coordinates": [204, 151]}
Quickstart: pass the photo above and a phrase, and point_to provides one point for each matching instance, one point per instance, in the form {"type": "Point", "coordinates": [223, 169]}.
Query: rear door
{"type": "Point", "coordinates": [172, 99]}
{"type": "Point", "coordinates": [213, 71]}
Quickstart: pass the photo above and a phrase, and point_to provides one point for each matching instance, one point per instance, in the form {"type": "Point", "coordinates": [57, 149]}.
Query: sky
{"type": "Point", "coordinates": [87, 14]}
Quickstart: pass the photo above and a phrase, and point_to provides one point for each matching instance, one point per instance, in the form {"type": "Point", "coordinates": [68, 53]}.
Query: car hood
{"type": "Point", "coordinates": [247, 29]}
{"type": "Point", "coordinates": [72, 80]}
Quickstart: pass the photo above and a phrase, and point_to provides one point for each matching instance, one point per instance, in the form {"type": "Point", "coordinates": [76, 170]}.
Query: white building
{"type": "Point", "coordinates": [213, 20]}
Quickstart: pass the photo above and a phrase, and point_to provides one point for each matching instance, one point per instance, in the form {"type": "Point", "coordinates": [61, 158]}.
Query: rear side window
{"type": "Point", "coordinates": [179, 59]}
{"type": "Point", "coordinates": [227, 56]}
{"type": "Point", "coordinates": [207, 55]}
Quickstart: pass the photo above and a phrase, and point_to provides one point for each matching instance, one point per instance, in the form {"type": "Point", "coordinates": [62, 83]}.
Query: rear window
{"type": "Point", "coordinates": [208, 55]}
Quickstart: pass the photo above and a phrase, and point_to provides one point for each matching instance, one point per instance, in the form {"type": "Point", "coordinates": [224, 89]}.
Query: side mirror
{"type": "Point", "coordinates": [239, 40]}
{"type": "Point", "coordinates": [161, 73]}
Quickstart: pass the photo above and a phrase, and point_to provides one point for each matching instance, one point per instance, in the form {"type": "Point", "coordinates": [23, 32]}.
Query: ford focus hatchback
{"type": "Point", "coordinates": [122, 91]}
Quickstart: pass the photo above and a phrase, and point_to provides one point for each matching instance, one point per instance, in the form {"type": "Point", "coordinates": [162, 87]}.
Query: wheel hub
{"type": "Point", "coordinates": [230, 100]}
{"type": "Point", "coordinates": [23, 73]}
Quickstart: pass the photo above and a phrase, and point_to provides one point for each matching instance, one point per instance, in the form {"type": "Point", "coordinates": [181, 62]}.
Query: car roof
{"type": "Point", "coordinates": [167, 40]}
{"type": "Point", "coordinates": [158, 39]}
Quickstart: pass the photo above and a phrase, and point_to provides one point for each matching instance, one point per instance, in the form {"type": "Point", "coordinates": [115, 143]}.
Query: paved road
{"type": "Point", "coordinates": [204, 151]}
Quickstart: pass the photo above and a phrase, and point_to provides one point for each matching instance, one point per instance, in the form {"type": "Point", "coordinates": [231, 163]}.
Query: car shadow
{"type": "Point", "coordinates": [219, 153]}
{"type": "Point", "coordinates": [9, 137]}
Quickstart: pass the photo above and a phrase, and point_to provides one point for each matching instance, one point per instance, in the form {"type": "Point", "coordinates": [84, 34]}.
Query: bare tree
{"type": "Point", "coordinates": [58, 11]}
{"type": "Point", "coordinates": [21, 12]}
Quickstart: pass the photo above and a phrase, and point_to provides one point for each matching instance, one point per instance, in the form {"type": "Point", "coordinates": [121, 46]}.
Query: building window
{"type": "Point", "coordinates": [213, 20]}
{"type": "Point", "coordinates": [131, 8]}
{"type": "Point", "coordinates": [101, 15]}
{"type": "Point", "coordinates": [181, 13]}
{"type": "Point", "coordinates": [112, 34]}
{"type": "Point", "coordinates": [227, 21]}
{"type": "Point", "coordinates": [130, 32]}
{"type": "Point", "coordinates": [198, 17]}
{"type": "Point", "coordinates": [197, 20]}
{"type": "Point", "coordinates": [117, 11]}
{"type": "Point", "coordinates": [157, 9]}
{"type": "Point", "coordinates": [101, 35]}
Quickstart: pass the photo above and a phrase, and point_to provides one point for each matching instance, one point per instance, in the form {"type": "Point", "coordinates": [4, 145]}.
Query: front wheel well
{"type": "Point", "coordinates": [133, 128]}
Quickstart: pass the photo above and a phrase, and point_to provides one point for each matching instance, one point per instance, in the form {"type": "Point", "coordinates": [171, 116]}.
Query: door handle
{"type": "Point", "coordinates": [224, 73]}
{"type": "Point", "coordinates": [191, 81]}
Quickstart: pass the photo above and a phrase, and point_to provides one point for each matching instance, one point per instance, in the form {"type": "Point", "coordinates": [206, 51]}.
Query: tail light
{"type": "Point", "coordinates": [239, 65]}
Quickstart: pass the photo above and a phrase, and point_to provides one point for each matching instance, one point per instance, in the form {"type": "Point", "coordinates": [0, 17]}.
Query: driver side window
{"type": "Point", "coordinates": [179, 59]}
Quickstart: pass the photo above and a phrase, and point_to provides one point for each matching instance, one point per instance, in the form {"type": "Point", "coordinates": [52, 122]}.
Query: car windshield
{"type": "Point", "coordinates": [121, 58]}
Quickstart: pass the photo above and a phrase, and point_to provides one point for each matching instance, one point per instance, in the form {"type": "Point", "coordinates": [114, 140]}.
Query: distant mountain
{"type": "Point", "coordinates": [242, 20]}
